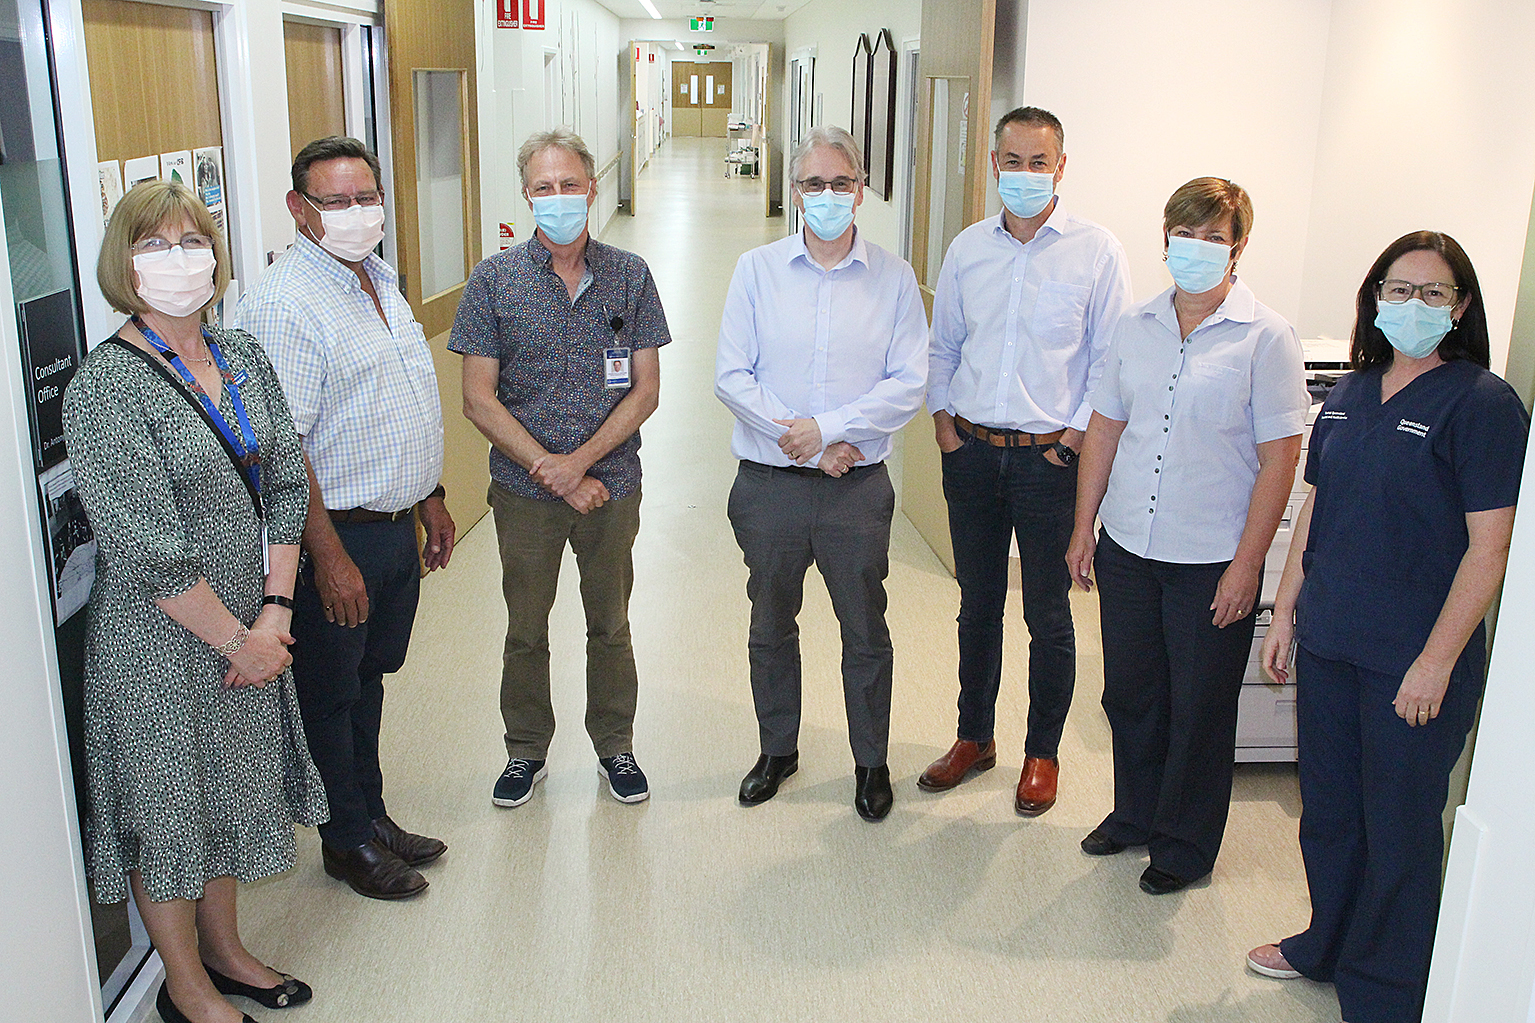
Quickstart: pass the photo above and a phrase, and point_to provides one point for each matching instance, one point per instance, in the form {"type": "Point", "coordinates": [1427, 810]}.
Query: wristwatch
{"type": "Point", "coordinates": [1065, 454]}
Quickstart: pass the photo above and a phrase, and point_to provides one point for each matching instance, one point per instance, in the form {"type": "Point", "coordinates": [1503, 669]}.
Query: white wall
{"type": "Point", "coordinates": [1152, 95]}
{"type": "Point", "coordinates": [583, 40]}
{"type": "Point", "coordinates": [1426, 125]}
{"type": "Point", "coordinates": [726, 30]}
{"type": "Point", "coordinates": [831, 28]}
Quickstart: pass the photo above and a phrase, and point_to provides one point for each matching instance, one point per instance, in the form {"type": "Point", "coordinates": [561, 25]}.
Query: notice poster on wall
{"type": "Point", "coordinates": [533, 14]}
{"type": "Point", "coordinates": [143, 168]}
{"type": "Point", "coordinates": [51, 348]}
{"type": "Point", "coordinates": [208, 173]}
{"type": "Point", "coordinates": [508, 13]}
{"type": "Point", "coordinates": [71, 543]}
{"type": "Point", "coordinates": [177, 167]}
{"type": "Point", "coordinates": [109, 176]}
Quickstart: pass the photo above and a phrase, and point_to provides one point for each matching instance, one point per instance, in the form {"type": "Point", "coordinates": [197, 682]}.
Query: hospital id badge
{"type": "Point", "coordinates": [615, 368]}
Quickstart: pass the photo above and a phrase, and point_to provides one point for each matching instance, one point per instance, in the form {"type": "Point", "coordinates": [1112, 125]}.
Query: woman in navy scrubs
{"type": "Point", "coordinates": [1188, 461]}
{"type": "Point", "coordinates": [1397, 554]}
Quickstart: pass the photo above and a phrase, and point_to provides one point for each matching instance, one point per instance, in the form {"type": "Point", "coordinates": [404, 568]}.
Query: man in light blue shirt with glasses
{"type": "Point", "coordinates": [822, 357]}
{"type": "Point", "coordinates": [1022, 316]}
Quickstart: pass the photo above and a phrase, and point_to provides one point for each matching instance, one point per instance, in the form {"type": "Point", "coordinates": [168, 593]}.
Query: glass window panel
{"type": "Point", "coordinates": [440, 179]}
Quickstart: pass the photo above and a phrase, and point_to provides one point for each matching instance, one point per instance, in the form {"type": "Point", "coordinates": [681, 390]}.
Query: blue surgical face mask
{"type": "Point", "coordinates": [828, 214]}
{"type": "Point", "coordinates": [1414, 328]}
{"type": "Point", "coordinates": [562, 218]}
{"type": "Point", "coordinates": [1197, 266]}
{"type": "Point", "coordinates": [1025, 193]}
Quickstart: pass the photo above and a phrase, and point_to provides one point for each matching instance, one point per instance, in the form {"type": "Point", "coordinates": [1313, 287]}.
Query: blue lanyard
{"type": "Point", "coordinates": [245, 444]}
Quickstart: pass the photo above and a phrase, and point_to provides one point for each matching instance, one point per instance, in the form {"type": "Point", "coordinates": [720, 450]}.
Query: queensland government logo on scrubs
{"type": "Point", "coordinates": [1416, 429]}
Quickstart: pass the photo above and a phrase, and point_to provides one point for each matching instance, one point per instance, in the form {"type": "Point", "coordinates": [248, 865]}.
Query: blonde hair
{"type": "Point", "coordinates": [149, 206]}
{"type": "Point", "coordinates": [555, 138]}
{"type": "Point", "coordinates": [1204, 201]}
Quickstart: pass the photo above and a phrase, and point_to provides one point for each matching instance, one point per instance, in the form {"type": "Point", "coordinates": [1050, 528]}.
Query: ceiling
{"type": "Point", "coordinates": [765, 10]}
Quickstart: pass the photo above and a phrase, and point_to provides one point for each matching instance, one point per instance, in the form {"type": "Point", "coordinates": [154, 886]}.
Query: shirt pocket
{"type": "Point", "coordinates": [1059, 312]}
{"type": "Point", "coordinates": [1216, 392]}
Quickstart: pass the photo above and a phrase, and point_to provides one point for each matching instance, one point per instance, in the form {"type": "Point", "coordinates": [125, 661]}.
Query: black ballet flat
{"type": "Point", "coordinates": [289, 991]}
{"type": "Point", "coordinates": [170, 1014]}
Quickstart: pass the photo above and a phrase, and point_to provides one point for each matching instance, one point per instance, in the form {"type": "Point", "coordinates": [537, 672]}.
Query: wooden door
{"type": "Point", "coordinates": [436, 201]}
{"type": "Point", "coordinates": [953, 149]}
{"type": "Point", "coordinates": [715, 97]}
{"type": "Point", "coordinates": [686, 111]}
{"type": "Point", "coordinates": [316, 103]}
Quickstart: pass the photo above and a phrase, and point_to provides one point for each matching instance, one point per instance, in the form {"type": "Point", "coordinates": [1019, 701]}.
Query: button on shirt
{"type": "Point", "coordinates": [1394, 484]}
{"type": "Point", "coordinates": [363, 392]}
{"type": "Point", "coordinates": [846, 346]}
{"type": "Point", "coordinates": [552, 350]}
{"type": "Point", "coordinates": [1195, 412]}
{"type": "Point", "coordinates": [1020, 329]}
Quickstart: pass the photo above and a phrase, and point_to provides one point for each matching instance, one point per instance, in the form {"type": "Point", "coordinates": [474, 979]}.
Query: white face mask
{"type": "Point", "coordinates": [352, 233]}
{"type": "Point", "coordinates": [175, 282]}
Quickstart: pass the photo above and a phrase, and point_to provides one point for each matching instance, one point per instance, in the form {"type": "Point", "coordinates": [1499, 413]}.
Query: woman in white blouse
{"type": "Point", "coordinates": [1188, 461]}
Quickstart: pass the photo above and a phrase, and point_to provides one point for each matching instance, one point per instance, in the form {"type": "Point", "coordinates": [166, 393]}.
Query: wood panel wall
{"type": "Point", "coordinates": [154, 80]}
{"type": "Point", "coordinates": [316, 102]}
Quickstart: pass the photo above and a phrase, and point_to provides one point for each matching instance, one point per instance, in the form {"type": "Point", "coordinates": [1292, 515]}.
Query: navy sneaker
{"type": "Point", "coordinates": [515, 786]}
{"type": "Point", "coordinates": [625, 779]}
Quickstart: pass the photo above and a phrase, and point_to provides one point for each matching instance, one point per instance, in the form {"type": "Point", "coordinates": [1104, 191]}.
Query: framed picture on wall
{"type": "Point", "coordinates": [859, 121]}
{"type": "Point", "coordinates": [881, 142]}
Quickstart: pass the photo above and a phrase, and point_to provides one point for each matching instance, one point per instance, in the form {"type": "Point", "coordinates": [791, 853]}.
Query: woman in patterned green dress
{"type": "Point", "coordinates": [195, 751]}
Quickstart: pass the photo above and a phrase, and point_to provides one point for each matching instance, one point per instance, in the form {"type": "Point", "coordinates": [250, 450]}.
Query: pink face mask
{"type": "Point", "coordinates": [176, 282]}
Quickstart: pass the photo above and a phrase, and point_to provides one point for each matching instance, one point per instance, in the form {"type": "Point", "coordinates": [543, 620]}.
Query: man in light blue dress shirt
{"type": "Point", "coordinates": [1022, 316]}
{"type": "Point", "coordinates": [358, 375]}
{"type": "Point", "coordinates": [822, 357]}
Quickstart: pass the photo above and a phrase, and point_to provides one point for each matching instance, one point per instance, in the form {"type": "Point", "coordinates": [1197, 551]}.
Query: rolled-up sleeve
{"type": "Point", "coordinates": [1279, 397]}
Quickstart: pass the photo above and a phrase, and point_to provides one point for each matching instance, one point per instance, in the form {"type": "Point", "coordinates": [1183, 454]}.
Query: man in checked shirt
{"type": "Point", "coordinates": [358, 375]}
{"type": "Point", "coordinates": [560, 337]}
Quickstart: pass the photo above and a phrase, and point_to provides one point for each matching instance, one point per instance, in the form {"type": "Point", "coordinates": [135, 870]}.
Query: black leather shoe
{"type": "Point", "coordinates": [415, 850]}
{"type": "Point", "coordinates": [762, 781]}
{"type": "Point", "coordinates": [288, 991]}
{"type": "Point", "coordinates": [373, 871]}
{"type": "Point", "coordinates": [1156, 881]}
{"type": "Point", "coordinates": [872, 797]}
{"type": "Point", "coordinates": [1098, 844]}
{"type": "Point", "coordinates": [170, 1014]}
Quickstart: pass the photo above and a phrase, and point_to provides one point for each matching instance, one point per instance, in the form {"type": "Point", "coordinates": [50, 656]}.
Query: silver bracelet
{"type": "Point", "coordinates": [234, 643]}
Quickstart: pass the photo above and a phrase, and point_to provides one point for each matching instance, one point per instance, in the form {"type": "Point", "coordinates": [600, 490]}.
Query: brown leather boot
{"type": "Point", "coordinates": [1036, 785]}
{"type": "Point", "coordinates": [951, 768]}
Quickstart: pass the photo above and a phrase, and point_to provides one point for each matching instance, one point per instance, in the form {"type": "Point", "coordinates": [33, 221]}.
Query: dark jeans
{"type": "Point", "coordinates": [1371, 833]}
{"type": "Point", "coordinates": [1171, 683]}
{"type": "Point", "coordinates": [783, 523]}
{"type": "Point", "coordinates": [993, 494]}
{"type": "Point", "coordinates": [339, 672]}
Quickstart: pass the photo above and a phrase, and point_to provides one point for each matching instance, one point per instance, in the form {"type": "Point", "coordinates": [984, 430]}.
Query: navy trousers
{"type": "Point", "coordinates": [339, 672]}
{"type": "Point", "coordinates": [1171, 683]}
{"type": "Point", "coordinates": [1373, 792]}
{"type": "Point", "coordinates": [994, 494]}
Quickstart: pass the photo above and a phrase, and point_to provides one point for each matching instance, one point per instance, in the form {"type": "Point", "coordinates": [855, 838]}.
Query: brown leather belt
{"type": "Point", "coordinates": [1007, 438]}
{"type": "Point", "coordinates": [367, 514]}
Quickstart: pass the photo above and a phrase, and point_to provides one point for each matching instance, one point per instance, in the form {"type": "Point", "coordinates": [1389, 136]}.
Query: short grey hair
{"type": "Point", "coordinates": [558, 138]}
{"type": "Point", "coordinates": [832, 137]}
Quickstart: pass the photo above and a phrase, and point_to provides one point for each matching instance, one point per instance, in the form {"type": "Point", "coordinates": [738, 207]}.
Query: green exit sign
{"type": "Point", "coordinates": [701, 24]}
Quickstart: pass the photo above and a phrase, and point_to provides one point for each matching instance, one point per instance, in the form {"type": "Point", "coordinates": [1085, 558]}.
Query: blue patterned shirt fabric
{"type": "Point", "coordinates": [517, 310]}
{"type": "Point", "coordinates": [363, 392]}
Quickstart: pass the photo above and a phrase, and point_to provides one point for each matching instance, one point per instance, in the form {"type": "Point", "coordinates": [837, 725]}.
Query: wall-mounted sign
{"type": "Point", "coordinates": [533, 14]}
{"type": "Point", "coordinates": [506, 236]}
{"type": "Point", "coordinates": [652, 58]}
{"type": "Point", "coordinates": [52, 352]}
{"type": "Point", "coordinates": [701, 24]}
{"type": "Point", "coordinates": [508, 13]}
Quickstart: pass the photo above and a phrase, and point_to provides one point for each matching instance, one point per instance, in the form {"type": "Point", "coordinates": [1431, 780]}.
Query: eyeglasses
{"type": "Point", "coordinates": [1434, 295]}
{"type": "Point", "coordinates": [337, 203]}
{"type": "Point", "coordinates": [815, 186]}
{"type": "Point", "coordinates": [190, 242]}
